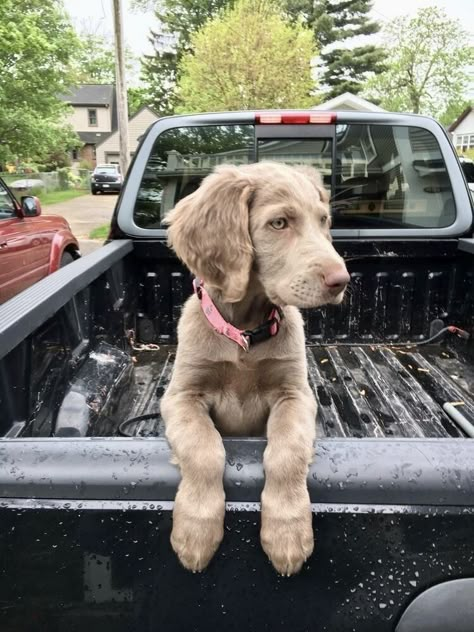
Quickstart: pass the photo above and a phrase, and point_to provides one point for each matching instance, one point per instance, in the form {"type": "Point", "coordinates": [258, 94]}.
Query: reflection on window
{"type": "Point", "coordinates": [390, 177]}
{"type": "Point", "coordinates": [7, 207]}
{"type": "Point", "coordinates": [180, 159]}
{"type": "Point", "coordinates": [313, 152]}
{"type": "Point", "coordinates": [384, 176]}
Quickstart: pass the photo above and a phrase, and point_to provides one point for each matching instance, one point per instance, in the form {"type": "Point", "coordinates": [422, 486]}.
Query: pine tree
{"type": "Point", "coordinates": [178, 19]}
{"type": "Point", "coordinates": [343, 69]}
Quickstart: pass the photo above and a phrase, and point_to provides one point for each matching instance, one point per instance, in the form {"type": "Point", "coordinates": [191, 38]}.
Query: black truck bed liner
{"type": "Point", "coordinates": [363, 391]}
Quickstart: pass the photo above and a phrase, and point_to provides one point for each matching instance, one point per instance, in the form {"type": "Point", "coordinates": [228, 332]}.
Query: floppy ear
{"type": "Point", "coordinates": [313, 174]}
{"type": "Point", "coordinates": [209, 231]}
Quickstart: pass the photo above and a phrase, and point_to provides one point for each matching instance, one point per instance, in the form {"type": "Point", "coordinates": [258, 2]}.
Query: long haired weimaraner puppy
{"type": "Point", "coordinates": [257, 238]}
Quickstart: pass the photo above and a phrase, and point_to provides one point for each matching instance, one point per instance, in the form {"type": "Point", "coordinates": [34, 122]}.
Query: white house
{"type": "Point", "coordinates": [462, 130]}
{"type": "Point", "coordinates": [348, 102]}
{"type": "Point", "coordinates": [93, 116]}
{"type": "Point", "coordinates": [108, 150]}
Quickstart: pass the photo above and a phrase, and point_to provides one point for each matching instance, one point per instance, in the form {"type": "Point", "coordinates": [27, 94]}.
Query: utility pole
{"type": "Point", "coordinates": [121, 87]}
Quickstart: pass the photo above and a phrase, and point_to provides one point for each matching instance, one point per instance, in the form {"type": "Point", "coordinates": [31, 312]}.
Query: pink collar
{"type": "Point", "coordinates": [244, 338]}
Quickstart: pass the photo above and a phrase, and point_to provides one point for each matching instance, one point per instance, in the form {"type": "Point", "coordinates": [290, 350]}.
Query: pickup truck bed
{"type": "Point", "coordinates": [86, 513]}
{"type": "Point", "coordinates": [374, 391]}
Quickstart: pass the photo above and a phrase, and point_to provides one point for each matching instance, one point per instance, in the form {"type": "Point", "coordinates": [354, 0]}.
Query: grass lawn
{"type": "Point", "coordinates": [60, 196]}
{"type": "Point", "coordinates": [101, 232]}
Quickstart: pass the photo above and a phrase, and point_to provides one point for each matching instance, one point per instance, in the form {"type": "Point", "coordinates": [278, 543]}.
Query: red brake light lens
{"type": "Point", "coordinates": [295, 118]}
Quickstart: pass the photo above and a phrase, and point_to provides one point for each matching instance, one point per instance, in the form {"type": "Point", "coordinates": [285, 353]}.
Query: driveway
{"type": "Point", "coordinates": [85, 213]}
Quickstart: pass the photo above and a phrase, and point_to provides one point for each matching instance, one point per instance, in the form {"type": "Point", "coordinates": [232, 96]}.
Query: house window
{"type": "Point", "coordinates": [75, 154]}
{"type": "Point", "coordinates": [465, 141]}
{"type": "Point", "coordinates": [92, 116]}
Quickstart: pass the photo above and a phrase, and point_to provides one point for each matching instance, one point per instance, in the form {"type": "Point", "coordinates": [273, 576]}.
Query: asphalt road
{"type": "Point", "coordinates": [84, 214]}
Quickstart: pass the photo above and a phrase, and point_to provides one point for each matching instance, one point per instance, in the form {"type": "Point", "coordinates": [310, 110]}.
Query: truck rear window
{"type": "Point", "coordinates": [380, 176]}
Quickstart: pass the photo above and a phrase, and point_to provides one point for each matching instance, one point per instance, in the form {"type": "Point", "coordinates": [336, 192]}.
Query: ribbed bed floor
{"type": "Point", "coordinates": [362, 391]}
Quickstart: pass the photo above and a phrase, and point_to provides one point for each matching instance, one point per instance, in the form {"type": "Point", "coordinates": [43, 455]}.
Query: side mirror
{"type": "Point", "coordinates": [31, 206]}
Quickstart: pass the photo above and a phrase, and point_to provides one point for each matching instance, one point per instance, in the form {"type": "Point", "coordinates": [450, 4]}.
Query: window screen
{"type": "Point", "coordinates": [181, 158]}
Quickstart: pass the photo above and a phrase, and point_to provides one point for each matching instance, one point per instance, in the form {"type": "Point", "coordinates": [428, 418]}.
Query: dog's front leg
{"type": "Point", "coordinates": [198, 515]}
{"type": "Point", "coordinates": [287, 532]}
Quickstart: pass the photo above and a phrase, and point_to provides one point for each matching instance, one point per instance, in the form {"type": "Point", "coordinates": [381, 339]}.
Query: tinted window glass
{"type": "Point", "coordinates": [314, 152]}
{"type": "Point", "coordinates": [468, 168]}
{"type": "Point", "coordinates": [7, 207]}
{"type": "Point", "coordinates": [180, 159]}
{"type": "Point", "coordinates": [383, 176]}
{"type": "Point", "coordinates": [106, 170]}
{"type": "Point", "coordinates": [390, 177]}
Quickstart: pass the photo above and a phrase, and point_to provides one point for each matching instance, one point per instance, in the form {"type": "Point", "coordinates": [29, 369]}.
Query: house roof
{"type": "Point", "coordinates": [91, 94]}
{"type": "Point", "coordinates": [144, 107]}
{"type": "Point", "coordinates": [348, 101]}
{"type": "Point", "coordinates": [460, 118]}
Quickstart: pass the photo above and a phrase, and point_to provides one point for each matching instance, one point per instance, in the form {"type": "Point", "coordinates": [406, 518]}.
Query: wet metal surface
{"type": "Point", "coordinates": [374, 391]}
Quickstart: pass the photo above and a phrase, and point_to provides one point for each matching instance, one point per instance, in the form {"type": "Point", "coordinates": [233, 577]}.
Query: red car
{"type": "Point", "coordinates": [31, 246]}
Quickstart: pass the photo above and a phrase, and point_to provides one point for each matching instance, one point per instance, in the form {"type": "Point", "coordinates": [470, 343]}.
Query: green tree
{"type": "Point", "coordinates": [178, 19]}
{"type": "Point", "coordinates": [334, 22]}
{"type": "Point", "coordinates": [95, 59]}
{"type": "Point", "coordinates": [249, 56]}
{"type": "Point", "coordinates": [37, 44]}
{"type": "Point", "coordinates": [137, 98]}
{"type": "Point", "coordinates": [453, 110]}
{"type": "Point", "coordinates": [427, 62]}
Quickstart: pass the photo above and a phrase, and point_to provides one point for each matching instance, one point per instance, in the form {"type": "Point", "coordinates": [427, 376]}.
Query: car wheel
{"type": "Point", "coordinates": [66, 259]}
{"type": "Point", "coordinates": [94, 192]}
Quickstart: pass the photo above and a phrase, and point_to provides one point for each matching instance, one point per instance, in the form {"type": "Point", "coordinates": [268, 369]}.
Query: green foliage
{"type": "Point", "coordinates": [101, 232]}
{"type": "Point", "coordinates": [56, 160]}
{"type": "Point", "coordinates": [331, 21]}
{"type": "Point", "coordinates": [426, 68]}
{"type": "Point", "coordinates": [179, 20]}
{"type": "Point", "coordinates": [247, 57]}
{"type": "Point", "coordinates": [55, 197]}
{"type": "Point", "coordinates": [137, 98]}
{"type": "Point", "coordinates": [86, 164]}
{"type": "Point", "coordinates": [334, 22]}
{"type": "Point", "coordinates": [95, 59]}
{"type": "Point", "coordinates": [453, 110]}
{"type": "Point", "coordinates": [37, 44]}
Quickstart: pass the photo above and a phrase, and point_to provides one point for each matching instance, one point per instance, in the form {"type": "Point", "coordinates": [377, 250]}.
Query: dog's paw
{"type": "Point", "coordinates": [288, 542]}
{"type": "Point", "coordinates": [196, 537]}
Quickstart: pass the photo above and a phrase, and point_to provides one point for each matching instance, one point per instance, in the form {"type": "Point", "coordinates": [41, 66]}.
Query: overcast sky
{"type": "Point", "coordinates": [137, 25]}
{"type": "Point", "coordinates": [96, 15]}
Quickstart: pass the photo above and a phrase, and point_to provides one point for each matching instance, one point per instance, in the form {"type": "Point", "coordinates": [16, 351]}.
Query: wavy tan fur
{"type": "Point", "coordinates": [223, 232]}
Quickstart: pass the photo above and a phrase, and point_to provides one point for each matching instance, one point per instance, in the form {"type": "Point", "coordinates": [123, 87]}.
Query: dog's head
{"type": "Point", "coordinates": [266, 219]}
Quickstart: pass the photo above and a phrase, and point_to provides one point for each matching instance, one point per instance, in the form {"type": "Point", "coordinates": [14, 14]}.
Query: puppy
{"type": "Point", "coordinates": [257, 238]}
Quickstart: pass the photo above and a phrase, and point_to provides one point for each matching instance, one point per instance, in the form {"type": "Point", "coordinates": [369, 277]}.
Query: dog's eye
{"type": "Point", "coordinates": [279, 223]}
{"type": "Point", "coordinates": [324, 220]}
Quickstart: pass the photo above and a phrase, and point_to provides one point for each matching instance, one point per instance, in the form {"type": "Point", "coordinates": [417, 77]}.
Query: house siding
{"type": "Point", "coordinates": [465, 129]}
{"type": "Point", "coordinates": [137, 125]}
{"type": "Point", "coordinates": [466, 126]}
{"type": "Point", "coordinates": [80, 121]}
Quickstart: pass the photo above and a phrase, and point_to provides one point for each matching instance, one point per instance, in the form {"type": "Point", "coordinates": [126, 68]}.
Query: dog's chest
{"type": "Point", "coordinates": [240, 395]}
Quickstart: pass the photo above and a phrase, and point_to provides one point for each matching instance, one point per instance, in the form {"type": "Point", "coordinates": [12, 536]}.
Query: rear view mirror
{"type": "Point", "coordinates": [30, 205]}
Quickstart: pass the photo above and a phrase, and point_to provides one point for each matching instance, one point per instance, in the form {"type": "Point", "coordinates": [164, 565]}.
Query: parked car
{"type": "Point", "coordinates": [106, 179]}
{"type": "Point", "coordinates": [31, 245]}
{"type": "Point", "coordinates": [87, 481]}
